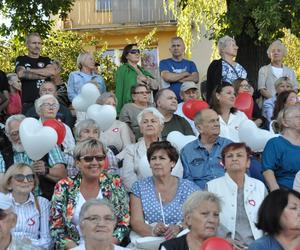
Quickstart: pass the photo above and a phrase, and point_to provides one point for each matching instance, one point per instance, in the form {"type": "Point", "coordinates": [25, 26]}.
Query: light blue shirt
{"type": "Point", "coordinates": [201, 166]}
{"type": "Point", "coordinates": [77, 79]}
{"type": "Point", "coordinates": [268, 108]}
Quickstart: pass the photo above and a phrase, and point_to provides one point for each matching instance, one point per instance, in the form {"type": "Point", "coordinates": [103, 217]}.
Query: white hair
{"type": "Point", "coordinates": [152, 110]}
{"type": "Point", "coordinates": [223, 42]}
{"type": "Point", "coordinates": [12, 118]}
{"type": "Point", "coordinates": [278, 44]}
{"type": "Point", "coordinates": [40, 101]}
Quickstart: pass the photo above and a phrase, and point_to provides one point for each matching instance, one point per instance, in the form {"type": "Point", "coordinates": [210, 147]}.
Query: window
{"type": "Point", "coordinates": [103, 5]}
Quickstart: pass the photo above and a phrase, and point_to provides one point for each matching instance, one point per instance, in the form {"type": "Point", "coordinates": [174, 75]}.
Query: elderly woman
{"type": "Point", "coordinates": [279, 218]}
{"type": "Point", "coordinates": [92, 182]}
{"type": "Point", "coordinates": [140, 97]}
{"type": "Point", "coordinates": [47, 107]}
{"type": "Point", "coordinates": [238, 217]}
{"type": "Point", "coordinates": [118, 135]}
{"type": "Point", "coordinates": [224, 69]}
{"type": "Point", "coordinates": [130, 74]}
{"type": "Point", "coordinates": [135, 164]}
{"type": "Point", "coordinates": [33, 211]}
{"type": "Point", "coordinates": [222, 102]}
{"type": "Point", "coordinates": [281, 84]}
{"type": "Point", "coordinates": [156, 201]}
{"type": "Point", "coordinates": [201, 214]}
{"type": "Point", "coordinates": [281, 155]}
{"type": "Point", "coordinates": [8, 220]}
{"type": "Point", "coordinates": [242, 85]}
{"type": "Point", "coordinates": [89, 129]}
{"type": "Point", "coordinates": [97, 216]}
{"type": "Point", "coordinates": [86, 73]}
{"type": "Point", "coordinates": [268, 74]}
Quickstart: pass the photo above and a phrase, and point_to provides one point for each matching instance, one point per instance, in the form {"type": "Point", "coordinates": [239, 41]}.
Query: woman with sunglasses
{"type": "Point", "coordinates": [130, 74]}
{"type": "Point", "coordinates": [92, 182]}
{"type": "Point", "coordinates": [33, 211]}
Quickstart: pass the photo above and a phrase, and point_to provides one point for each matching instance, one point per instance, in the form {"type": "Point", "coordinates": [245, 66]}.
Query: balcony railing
{"type": "Point", "coordinates": [113, 12]}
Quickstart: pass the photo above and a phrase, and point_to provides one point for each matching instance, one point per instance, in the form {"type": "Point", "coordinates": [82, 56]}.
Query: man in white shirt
{"type": "Point", "coordinates": [188, 91]}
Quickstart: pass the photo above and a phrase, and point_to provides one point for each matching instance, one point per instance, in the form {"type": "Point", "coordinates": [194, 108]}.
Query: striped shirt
{"type": "Point", "coordinates": [32, 223]}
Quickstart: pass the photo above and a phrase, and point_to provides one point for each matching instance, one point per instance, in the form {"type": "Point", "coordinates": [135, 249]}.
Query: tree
{"type": "Point", "coordinates": [32, 15]}
{"type": "Point", "coordinates": [253, 23]}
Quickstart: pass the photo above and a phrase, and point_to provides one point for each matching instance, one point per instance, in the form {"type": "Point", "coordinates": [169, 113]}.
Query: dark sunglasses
{"type": "Point", "coordinates": [21, 177]}
{"type": "Point", "coordinates": [134, 51]}
{"type": "Point", "coordinates": [91, 158]}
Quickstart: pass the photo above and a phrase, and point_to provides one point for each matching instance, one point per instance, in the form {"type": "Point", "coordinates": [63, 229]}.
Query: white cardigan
{"type": "Point", "coordinates": [254, 193]}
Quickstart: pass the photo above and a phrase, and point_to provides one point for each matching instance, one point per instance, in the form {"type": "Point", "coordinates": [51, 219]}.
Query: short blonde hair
{"type": "Point", "coordinates": [86, 146]}
{"type": "Point", "coordinates": [81, 57]}
{"type": "Point", "coordinates": [278, 44]}
{"type": "Point", "coordinates": [13, 170]}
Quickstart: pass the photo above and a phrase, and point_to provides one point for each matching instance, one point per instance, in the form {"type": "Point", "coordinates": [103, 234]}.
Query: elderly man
{"type": "Point", "coordinates": [188, 91]}
{"type": "Point", "coordinates": [8, 220]}
{"type": "Point", "coordinates": [32, 70]}
{"type": "Point", "coordinates": [50, 169]}
{"type": "Point", "coordinates": [201, 158]}
{"type": "Point", "coordinates": [63, 114]}
{"type": "Point", "coordinates": [176, 70]}
{"type": "Point", "coordinates": [166, 103]}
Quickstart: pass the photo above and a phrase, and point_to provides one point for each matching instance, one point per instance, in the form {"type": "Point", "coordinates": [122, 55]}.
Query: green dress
{"type": "Point", "coordinates": [126, 77]}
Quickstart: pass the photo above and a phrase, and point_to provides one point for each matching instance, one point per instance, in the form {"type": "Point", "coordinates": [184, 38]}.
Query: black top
{"type": "Point", "coordinates": [214, 77]}
{"type": "Point", "coordinates": [3, 82]}
{"type": "Point", "coordinates": [176, 244]}
{"type": "Point", "coordinates": [30, 88]}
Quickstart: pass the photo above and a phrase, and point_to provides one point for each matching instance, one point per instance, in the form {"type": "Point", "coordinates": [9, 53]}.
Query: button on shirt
{"type": "Point", "coordinates": [201, 166]}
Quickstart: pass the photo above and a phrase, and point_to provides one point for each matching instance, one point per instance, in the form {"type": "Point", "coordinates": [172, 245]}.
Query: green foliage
{"type": "Point", "coordinates": [32, 15]}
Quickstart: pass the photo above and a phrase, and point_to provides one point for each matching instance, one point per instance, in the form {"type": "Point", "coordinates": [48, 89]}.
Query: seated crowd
{"type": "Point", "coordinates": [130, 186]}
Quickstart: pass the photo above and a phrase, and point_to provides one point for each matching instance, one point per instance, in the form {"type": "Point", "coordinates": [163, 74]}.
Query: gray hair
{"type": "Point", "coordinates": [40, 101]}
{"type": "Point", "coordinates": [223, 42]}
{"type": "Point", "coordinates": [95, 202]}
{"type": "Point", "coordinates": [198, 116]}
{"type": "Point", "coordinates": [88, 123]}
{"type": "Point", "coordinates": [282, 115]}
{"type": "Point", "coordinates": [31, 35]}
{"type": "Point", "coordinates": [195, 200]}
{"type": "Point", "coordinates": [19, 118]}
{"type": "Point", "coordinates": [152, 110]}
{"type": "Point", "coordinates": [11, 75]}
{"type": "Point", "coordinates": [86, 146]}
{"type": "Point", "coordinates": [81, 57]}
{"type": "Point", "coordinates": [103, 97]}
{"type": "Point", "coordinates": [280, 45]}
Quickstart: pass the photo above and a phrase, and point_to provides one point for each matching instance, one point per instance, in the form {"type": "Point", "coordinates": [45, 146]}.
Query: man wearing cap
{"type": "Point", "coordinates": [188, 91]}
{"type": "Point", "coordinates": [8, 220]}
{"type": "Point", "coordinates": [176, 70]}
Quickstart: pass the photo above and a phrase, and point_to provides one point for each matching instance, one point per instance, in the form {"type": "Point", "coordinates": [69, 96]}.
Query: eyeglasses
{"type": "Point", "coordinates": [134, 51]}
{"type": "Point", "coordinates": [22, 177]}
{"type": "Point", "coordinates": [245, 86]}
{"type": "Point", "coordinates": [95, 219]}
{"type": "Point", "coordinates": [142, 92]}
{"type": "Point", "coordinates": [88, 158]}
{"type": "Point", "coordinates": [49, 105]}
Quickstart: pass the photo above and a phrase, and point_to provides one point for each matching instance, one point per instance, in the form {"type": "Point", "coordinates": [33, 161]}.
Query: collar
{"type": "Point", "coordinates": [199, 144]}
{"type": "Point", "coordinates": [30, 200]}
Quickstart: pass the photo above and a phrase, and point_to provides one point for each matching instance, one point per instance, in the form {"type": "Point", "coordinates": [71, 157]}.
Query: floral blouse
{"type": "Point", "coordinates": [64, 201]}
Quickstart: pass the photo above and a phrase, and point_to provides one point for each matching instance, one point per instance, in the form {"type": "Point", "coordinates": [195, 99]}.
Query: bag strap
{"type": "Point", "coordinates": [236, 73]}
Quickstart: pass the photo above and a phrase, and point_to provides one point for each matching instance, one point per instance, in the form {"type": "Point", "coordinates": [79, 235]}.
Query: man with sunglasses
{"type": "Point", "coordinates": [176, 70]}
{"type": "Point", "coordinates": [8, 220]}
{"type": "Point", "coordinates": [50, 169]}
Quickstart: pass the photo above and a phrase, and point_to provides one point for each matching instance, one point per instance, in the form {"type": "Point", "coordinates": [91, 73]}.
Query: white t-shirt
{"type": "Point", "coordinates": [277, 71]}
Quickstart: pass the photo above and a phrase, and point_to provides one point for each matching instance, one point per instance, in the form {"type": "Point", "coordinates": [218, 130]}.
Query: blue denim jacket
{"type": "Point", "coordinates": [77, 79]}
{"type": "Point", "coordinates": [201, 166]}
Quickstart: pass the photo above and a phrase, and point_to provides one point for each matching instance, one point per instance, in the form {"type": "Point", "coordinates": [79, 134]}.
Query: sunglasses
{"type": "Point", "coordinates": [22, 177]}
{"type": "Point", "coordinates": [134, 51]}
{"type": "Point", "coordinates": [98, 158]}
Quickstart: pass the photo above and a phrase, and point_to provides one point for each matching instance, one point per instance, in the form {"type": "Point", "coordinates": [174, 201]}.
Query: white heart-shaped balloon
{"type": "Point", "coordinates": [87, 96]}
{"type": "Point", "coordinates": [36, 139]}
{"type": "Point", "coordinates": [103, 115]}
{"type": "Point", "coordinates": [179, 140]}
{"type": "Point", "coordinates": [253, 136]}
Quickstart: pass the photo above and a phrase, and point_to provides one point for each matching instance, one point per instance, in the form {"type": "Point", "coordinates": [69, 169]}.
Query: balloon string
{"type": "Point", "coordinates": [161, 208]}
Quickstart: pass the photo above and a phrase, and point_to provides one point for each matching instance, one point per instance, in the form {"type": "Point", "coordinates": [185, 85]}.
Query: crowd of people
{"type": "Point", "coordinates": [128, 186]}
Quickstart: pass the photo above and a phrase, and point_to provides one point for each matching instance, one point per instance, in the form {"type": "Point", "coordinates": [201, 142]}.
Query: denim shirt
{"type": "Point", "coordinates": [201, 166]}
{"type": "Point", "coordinates": [77, 79]}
